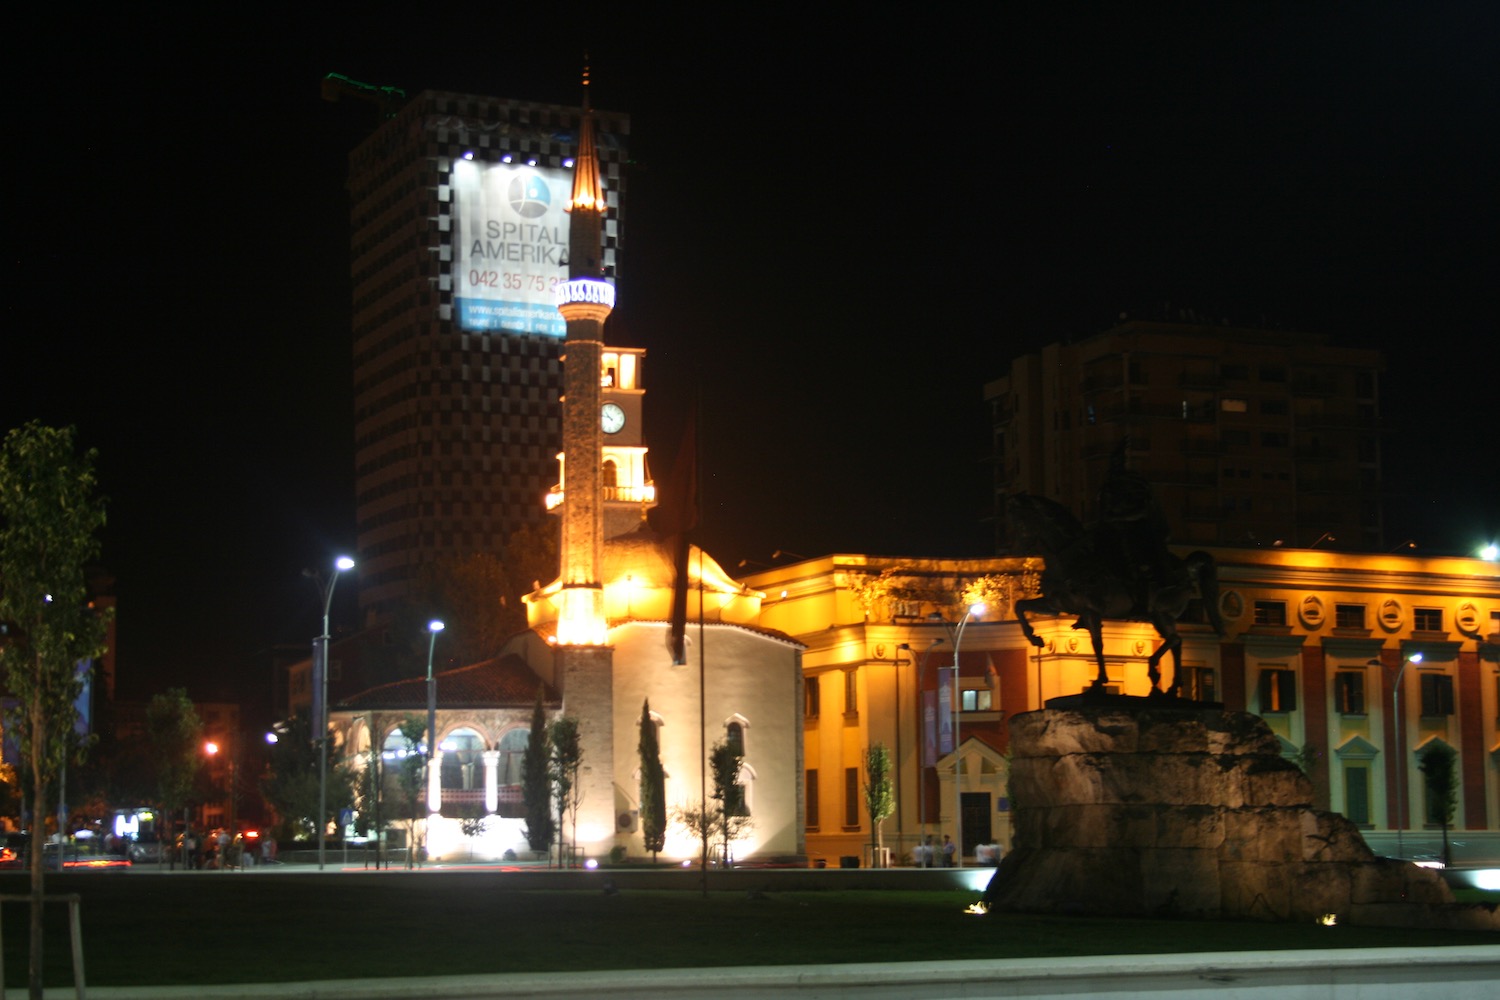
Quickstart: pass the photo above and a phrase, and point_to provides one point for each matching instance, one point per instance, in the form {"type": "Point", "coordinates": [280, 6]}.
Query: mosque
{"type": "Point", "coordinates": [600, 645]}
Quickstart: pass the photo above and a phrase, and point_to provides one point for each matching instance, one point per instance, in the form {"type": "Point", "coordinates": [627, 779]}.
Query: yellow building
{"type": "Point", "coordinates": [1316, 642]}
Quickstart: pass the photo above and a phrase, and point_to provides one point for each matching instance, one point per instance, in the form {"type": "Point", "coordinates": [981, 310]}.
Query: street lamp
{"type": "Point", "coordinates": [320, 713]}
{"type": "Point", "coordinates": [1401, 754]}
{"type": "Point", "coordinates": [433, 628]}
{"type": "Point", "coordinates": [976, 608]}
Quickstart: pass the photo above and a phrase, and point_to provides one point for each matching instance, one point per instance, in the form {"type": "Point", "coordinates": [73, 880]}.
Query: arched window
{"type": "Point", "coordinates": [736, 732]}
{"type": "Point", "coordinates": [512, 748]}
{"type": "Point", "coordinates": [462, 768]}
{"type": "Point", "coordinates": [611, 474]}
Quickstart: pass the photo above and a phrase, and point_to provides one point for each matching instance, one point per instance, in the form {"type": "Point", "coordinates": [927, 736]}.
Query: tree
{"type": "Point", "coordinates": [467, 593]}
{"type": "Point", "coordinates": [653, 786]}
{"type": "Point", "coordinates": [1439, 766]}
{"type": "Point", "coordinates": [174, 731]}
{"type": "Point", "coordinates": [567, 759]}
{"type": "Point", "coordinates": [536, 780]}
{"type": "Point", "coordinates": [290, 786]}
{"type": "Point", "coordinates": [407, 789]}
{"type": "Point", "coordinates": [880, 798]}
{"type": "Point", "coordinates": [725, 762]}
{"type": "Point", "coordinates": [528, 560]}
{"type": "Point", "coordinates": [49, 513]}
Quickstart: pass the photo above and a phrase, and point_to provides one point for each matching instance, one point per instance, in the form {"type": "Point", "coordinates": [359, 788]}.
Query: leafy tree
{"type": "Point", "coordinates": [49, 513]}
{"type": "Point", "coordinates": [528, 559]}
{"type": "Point", "coordinates": [406, 787]}
{"type": "Point", "coordinates": [567, 759]}
{"type": "Point", "coordinates": [467, 593]}
{"type": "Point", "coordinates": [536, 780]}
{"type": "Point", "coordinates": [290, 785]}
{"type": "Point", "coordinates": [701, 821]}
{"type": "Point", "coordinates": [880, 797]}
{"type": "Point", "coordinates": [1439, 766]}
{"type": "Point", "coordinates": [174, 732]}
{"type": "Point", "coordinates": [725, 761]}
{"type": "Point", "coordinates": [653, 786]}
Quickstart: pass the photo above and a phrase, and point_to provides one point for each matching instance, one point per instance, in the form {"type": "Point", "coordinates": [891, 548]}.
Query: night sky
{"type": "Point", "coordinates": [834, 236]}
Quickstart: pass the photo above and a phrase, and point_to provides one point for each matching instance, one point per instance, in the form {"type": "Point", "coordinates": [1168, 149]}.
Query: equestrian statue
{"type": "Point", "coordinates": [1119, 569]}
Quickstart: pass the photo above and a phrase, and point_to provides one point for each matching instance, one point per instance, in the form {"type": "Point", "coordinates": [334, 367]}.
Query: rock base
{"type": "Point", "coordinates": [1147, 809]}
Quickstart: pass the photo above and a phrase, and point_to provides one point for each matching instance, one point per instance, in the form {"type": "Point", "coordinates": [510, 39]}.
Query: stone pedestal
{"type": "Point", "coordinates": [1126, 808]}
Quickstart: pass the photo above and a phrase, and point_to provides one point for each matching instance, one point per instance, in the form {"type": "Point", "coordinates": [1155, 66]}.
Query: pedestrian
{"type": "Point", "coordinates": [949, 850]}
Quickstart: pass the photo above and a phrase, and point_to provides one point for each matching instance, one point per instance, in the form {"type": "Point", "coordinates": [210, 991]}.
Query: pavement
{"type": "Point", "coordinates": [1458, 973]}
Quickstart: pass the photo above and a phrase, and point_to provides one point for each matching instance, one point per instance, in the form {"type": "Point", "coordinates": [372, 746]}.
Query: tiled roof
{"type": "Point", "coordinates": [506, 682]}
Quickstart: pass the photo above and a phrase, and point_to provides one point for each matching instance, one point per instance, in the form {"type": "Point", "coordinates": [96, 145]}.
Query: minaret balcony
{"type": "Point", "coordinates": [620, 494]}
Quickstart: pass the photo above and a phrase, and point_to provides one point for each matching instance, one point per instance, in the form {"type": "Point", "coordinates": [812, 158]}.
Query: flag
{"type": "Point", "coordinates": [674, 516]}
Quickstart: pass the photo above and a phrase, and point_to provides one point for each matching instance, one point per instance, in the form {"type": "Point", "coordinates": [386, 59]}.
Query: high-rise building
{"type": "Point", "coordinates": [1249, 437]}
{"type": "Point", "coordinates": [459, 239]}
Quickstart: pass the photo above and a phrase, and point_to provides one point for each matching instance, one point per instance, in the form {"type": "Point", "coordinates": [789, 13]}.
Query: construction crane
{"type": "Point", "coordinates": [387, 100]}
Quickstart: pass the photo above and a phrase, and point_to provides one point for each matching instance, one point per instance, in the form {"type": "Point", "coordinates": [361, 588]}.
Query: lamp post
{"type": "Point", "coordinates": [958, 757]}
{"type": "Point", "coordinates": [433, 628]}
{"type": "Point", "coordinates": [320, 720]}
{"type": "Point", "coordinates": [1401, 754]}
{"type": "Point", "coordinates": [212, 749]}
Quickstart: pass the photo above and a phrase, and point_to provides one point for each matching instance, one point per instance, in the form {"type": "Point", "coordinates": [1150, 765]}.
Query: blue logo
{"type": "Point", "coordinates": [529, 195]}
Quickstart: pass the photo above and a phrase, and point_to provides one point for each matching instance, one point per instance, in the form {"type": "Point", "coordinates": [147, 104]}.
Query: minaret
{"type": "Point", "coordinates": [585, 301]}
{"type": "Point", "coordinates": [585, 664]}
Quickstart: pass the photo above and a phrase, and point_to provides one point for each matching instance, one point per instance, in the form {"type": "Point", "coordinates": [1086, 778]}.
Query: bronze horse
{"type": "Point", "coordinates": [1086, 575]}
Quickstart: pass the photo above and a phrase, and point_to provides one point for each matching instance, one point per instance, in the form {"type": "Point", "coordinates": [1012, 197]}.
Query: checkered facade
{"type": "Point", "coordinates": [456, 433]}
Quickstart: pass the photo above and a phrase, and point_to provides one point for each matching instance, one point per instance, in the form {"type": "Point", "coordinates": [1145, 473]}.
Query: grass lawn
{"type": "Point", "coordinates": [153, 930]}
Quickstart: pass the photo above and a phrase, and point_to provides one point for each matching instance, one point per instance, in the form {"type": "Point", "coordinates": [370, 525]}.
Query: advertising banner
{"type": "Point", "coordinates": [945, 717]}
{"type": "Point", "coordinates": [929, 728]}
{"type": "Point", "coordinates": [510, 246]}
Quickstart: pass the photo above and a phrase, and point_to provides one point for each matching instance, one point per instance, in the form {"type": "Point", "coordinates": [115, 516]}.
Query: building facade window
{"type": "Point", "coordinates": [1200, 684]}
{"type": "Point", "coordinates": [1437, 695]}
{"type": "Point", "coordinates": [814, 692]}
{"type": "Point", "coordinates": [1278, 690]}
{"type": "Point", "coordinates": [1270, 612]}
{"type": "Point", "coordinates": [1348, 616]}
{"type": "Point", "coordinates": [851, 798]}
{"type": "Point", "coordinates": [976, 700]}
{"type": "Point", "coordinates": [851, 693]}
{"type": "Point", "coordinates": [811, 808]}
{"type": "Point", "coordinates": [1427, 619]}
{"type": "Point", "coordinates": [1349, 692]}
{"type": "Point", "coordinates": [1357, 793]}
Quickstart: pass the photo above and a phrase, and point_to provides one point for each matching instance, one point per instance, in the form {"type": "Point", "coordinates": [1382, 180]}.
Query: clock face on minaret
{"type": "Point", "coordinates": [612, 418]}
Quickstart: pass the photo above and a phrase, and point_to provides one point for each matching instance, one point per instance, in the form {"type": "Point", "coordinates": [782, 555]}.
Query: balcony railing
{"type": "Point", "coordinates": [624, 494]}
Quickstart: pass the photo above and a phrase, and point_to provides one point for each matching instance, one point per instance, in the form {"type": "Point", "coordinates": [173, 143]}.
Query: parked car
{"type": "Point", "coordinates": [145, 848]}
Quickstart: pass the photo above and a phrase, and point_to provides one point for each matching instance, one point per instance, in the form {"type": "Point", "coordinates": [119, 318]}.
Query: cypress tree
{"type": "Point", "coordinates": [536, 780]}
{"type": "Point", "coordinates": [653, 786]}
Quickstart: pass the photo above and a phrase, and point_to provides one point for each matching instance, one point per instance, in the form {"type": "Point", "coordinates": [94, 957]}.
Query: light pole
{"type": "Point", "coordinates": [1401, 754]}
{"type": "Point", "coordinates": [320, 714]}
{"type": "Point", "coordinates": [958, 756]}
{"type": "Point", "coordinates": [433, 628]}
{"type": "Point", "coordinates": [212, 749]}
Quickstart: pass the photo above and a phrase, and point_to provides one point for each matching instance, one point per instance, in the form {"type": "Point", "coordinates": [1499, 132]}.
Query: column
{"type": "Point", "coordinates": [491, 781]}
